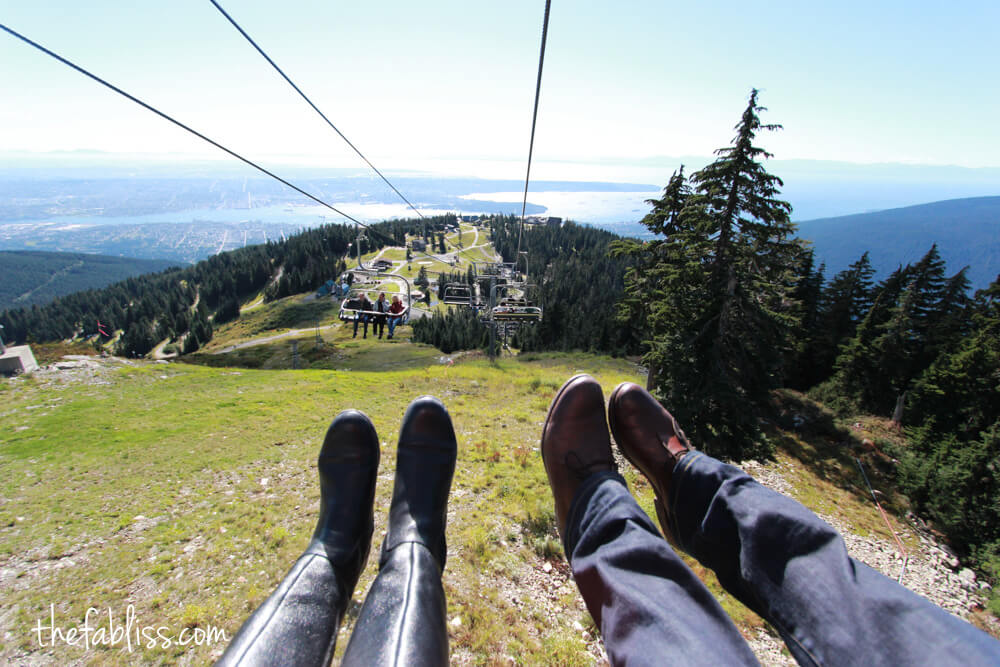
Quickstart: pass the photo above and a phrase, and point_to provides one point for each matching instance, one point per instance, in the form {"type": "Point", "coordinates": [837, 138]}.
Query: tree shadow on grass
{"type": "Point", "coordinates": [809, 432]}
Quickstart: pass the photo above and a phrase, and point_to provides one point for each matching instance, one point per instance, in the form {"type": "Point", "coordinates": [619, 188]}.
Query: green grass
{"type": "Point", "coordinates": [189, 491]}
{"type": "Point", "coordinates": [292, 312]}
{"type": "Point", "coordinates": [394, 254]}
{"type": "Point", "coordinates": [339, 350]}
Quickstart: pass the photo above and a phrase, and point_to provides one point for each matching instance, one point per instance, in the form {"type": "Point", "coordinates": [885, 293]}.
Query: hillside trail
{"type": "Point", "coordinates": [271, 339]}
{"type": "Point", "coordinates": [157, 352]}
{"type": "Point", "coordinates": [259, 301]}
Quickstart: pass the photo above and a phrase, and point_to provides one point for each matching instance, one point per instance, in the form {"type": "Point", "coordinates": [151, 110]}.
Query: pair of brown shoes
{"type": "Point", "coordinates": [576, 443]}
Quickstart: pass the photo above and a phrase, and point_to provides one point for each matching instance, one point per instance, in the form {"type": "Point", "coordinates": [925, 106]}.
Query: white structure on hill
{"type": "Point", "coordinates": [17, 359]}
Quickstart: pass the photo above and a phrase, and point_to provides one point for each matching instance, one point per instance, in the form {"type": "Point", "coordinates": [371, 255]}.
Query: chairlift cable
{"type": "Point", "coordinates": [315, 108]}
{"type": "Point", "coordinates": [173, 120]}
{"type": "Point", "coordinates": [534, 119]}
{"type": "Point", "coordinates": [201, 136]}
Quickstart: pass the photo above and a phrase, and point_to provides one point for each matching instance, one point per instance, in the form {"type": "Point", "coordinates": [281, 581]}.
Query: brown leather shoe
{"type": "Point", "coordinates": [575, 441]}
{"type": "Point", "coordinates": [650, 439]}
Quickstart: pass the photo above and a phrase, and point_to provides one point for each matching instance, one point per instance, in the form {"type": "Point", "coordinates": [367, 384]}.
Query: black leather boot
{"type": "Point", "coordinates": [402, 621]}
{"type": "Point", "coordinates": [298, 623]}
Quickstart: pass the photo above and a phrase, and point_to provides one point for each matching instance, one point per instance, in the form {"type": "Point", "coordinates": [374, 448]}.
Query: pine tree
{"type": "Point", "coordinates": [801, 370]}
{"type": "Point", "coordinates": [951, 469]}
{"type": "Point", "coordinates": [845, 303]}
{"type": "Point", "coordinates": [915, 313]}
{"type": "Point", "coordinates": [717, 291]}
{"type": "Point", "coordinates": [422, 281]}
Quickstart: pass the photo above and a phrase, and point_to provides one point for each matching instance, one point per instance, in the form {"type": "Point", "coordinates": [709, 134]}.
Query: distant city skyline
{"type": "Point", "coordinates": [435, 86]}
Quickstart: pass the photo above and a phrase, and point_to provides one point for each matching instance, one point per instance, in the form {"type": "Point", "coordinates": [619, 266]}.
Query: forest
{"type": "Point", "coordinates": [31, 277]}
{"type": "Point", "coordinates": [576, 279]}
{"type": "Point", "coordinates": [731, 308]}
{"type": "Point", "coordinates": [182, 305]}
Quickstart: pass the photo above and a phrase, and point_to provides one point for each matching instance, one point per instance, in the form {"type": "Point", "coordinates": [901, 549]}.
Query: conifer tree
{"type": "Point", "coordinates": [845, 303]}
{"type": "Point", "coordinates": [801, 370]}
{"type": "Point", "coordinates": [422, 281]}
{"type": "Point", "coordinates": [717, 291]}
{"type": "Point", "coordinates": [951, 469]}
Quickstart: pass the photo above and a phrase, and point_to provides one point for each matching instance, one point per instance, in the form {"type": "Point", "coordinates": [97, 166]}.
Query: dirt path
{"type": "Point", "coordinates": [157, 352]}
{"type": "Point", "coordinates": [270, 339]}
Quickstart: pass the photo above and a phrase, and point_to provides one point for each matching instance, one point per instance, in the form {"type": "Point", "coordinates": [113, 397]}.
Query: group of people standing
{"type": "Point", "coordinates": [379, 313]}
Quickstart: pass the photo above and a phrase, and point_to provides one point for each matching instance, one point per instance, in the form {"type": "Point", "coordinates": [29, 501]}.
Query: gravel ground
{"type": "Point", "coordinates": [930, 571]}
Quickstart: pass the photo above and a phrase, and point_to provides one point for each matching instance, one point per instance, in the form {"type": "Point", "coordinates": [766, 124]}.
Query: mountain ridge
{"type": "Point", "coordinates": [966, 231]}
{"type": "Point", "coordinates": [37, 277]}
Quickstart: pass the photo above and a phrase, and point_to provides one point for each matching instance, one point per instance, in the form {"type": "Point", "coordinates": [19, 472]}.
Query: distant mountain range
{"type": "Point", "coordinates": [38, 277]}
{"type": "Point", "coordinates": [967, 233]}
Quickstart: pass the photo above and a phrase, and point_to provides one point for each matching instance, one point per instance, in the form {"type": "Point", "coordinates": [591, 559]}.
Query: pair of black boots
{"type": "Point", "coordinates": [402, 620]}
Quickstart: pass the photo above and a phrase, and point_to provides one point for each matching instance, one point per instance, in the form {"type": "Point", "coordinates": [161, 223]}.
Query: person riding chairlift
{"type": "Point", "coordinates": [365, 304]}
{"type": "Point", "coordinates": [382, 306]}
{"type": "Point", "coordinates": [395, 314]}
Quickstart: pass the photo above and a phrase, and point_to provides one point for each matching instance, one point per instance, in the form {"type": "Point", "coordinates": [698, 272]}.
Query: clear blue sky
{"type": "Point", "coordinates": [426, 84]}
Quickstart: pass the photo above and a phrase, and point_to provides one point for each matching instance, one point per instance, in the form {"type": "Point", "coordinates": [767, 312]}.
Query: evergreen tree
{"type": "Point", "coordinates": [951, 469]}
{"type": "Point", "coordinates": [845, 303]}
{"type": "Point", "coordinates": [917, 314]}
{"type": "Point", "coordinates": [718, 292]}
{"type": "Point", "coordinates": [802, 371]}
{"type": "Point", "coordinates": [422, 281]}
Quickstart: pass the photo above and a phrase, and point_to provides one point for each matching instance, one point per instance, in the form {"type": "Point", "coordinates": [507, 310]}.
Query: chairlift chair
{"type": "Point", "coordinates": [350, 307]}
{"type": "Point", "coordinates": [510, 313]}
{"type": "Point", "coordinates": [457, 294]}
{"type": "Point", "coordinates": [517, 307]}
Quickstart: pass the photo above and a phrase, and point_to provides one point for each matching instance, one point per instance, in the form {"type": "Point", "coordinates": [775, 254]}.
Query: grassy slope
{"type": "Point", "coordinates": [217, 464]}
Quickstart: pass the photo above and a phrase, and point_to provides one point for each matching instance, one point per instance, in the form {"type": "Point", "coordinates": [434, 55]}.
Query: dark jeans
{"type": "Point", "coordinates": [394, 321]}
{"type": "Point", "coordinates": [379, 326]}
{"type": "Point", "coordinates": [768, 551]}
{"type": "Point", "coordinates": [364, 319]}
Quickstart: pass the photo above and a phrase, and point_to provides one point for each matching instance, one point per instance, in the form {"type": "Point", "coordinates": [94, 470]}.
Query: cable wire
{"type": "Point", "coordinates": [201, 136]}
{"type": "Point", "coordinates": [534, 119]}
{"type": "Point", "coordinates": [315, 108]}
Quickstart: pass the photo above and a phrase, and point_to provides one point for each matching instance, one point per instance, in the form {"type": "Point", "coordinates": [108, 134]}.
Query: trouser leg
{"type": "Point", "coordinates": [791, 567]}
{"type": "Point", "coordinates": [297, 624]}
{"type": "Point", "coordinates": [402, 621]}
{"type": "Point", "coordinates": [650, 607]}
